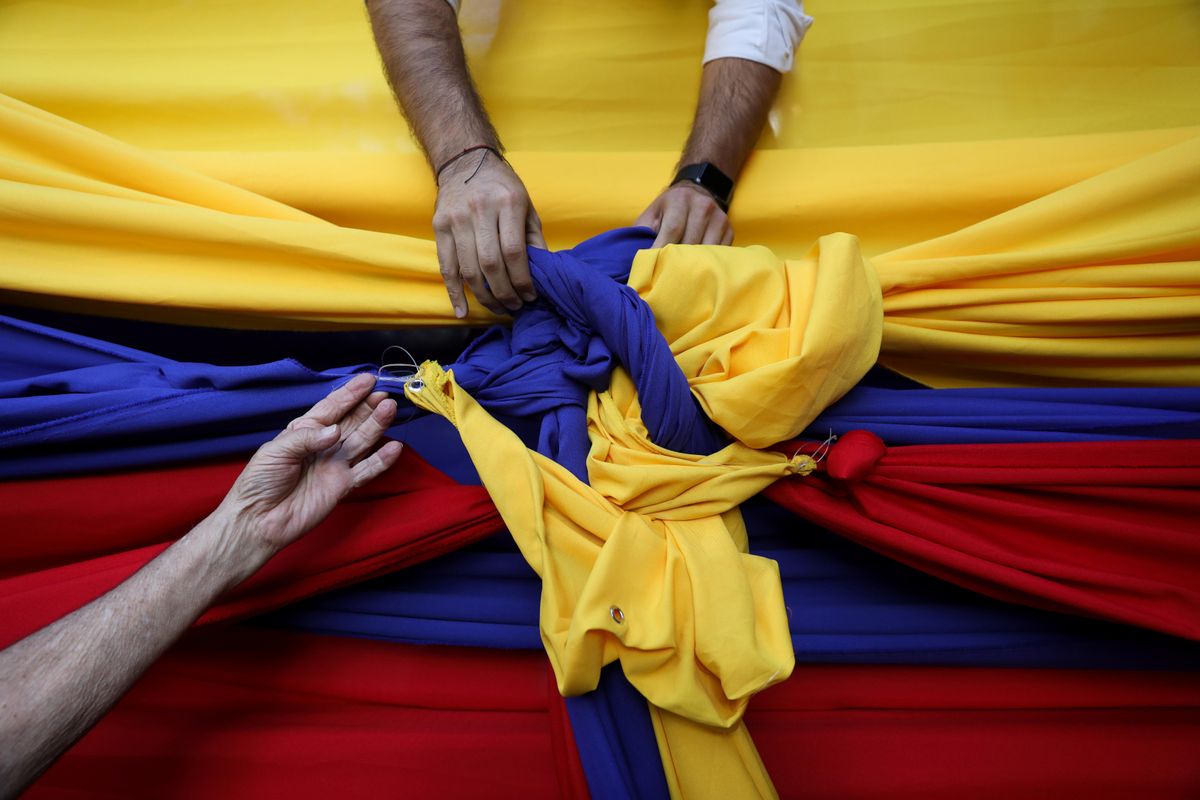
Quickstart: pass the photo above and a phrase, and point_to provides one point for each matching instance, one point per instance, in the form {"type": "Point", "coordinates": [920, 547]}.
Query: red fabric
{"type": "Point", "coordinates": [944, 733]}
{"type": "Point", "coordinates": [1110, 529]}
{"type": "Point", "coordinates": [235, 712]}
{"type": "Point", "coordinates": [245, 713]}
{"type": "Point", "coordinates": [68, 540]}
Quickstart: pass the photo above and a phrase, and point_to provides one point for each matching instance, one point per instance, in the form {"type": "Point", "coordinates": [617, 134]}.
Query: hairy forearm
{"type": "Point", "coordinates": [55, 684]}
{"type": "Point", "coordinates": [735, 97]}
{"type": "Point", "coordinates": [422, 54]}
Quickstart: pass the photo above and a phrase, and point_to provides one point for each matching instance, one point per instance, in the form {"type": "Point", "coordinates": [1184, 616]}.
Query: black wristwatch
{"type": "Point", "coordinates": [710, 179]}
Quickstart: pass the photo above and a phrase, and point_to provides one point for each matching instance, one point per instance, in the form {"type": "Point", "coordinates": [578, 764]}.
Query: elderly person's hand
{"type": "Point", "coordinates": [686, 214]}
{"type": "Point", "coordinates": [482, 221]}
{"type": "Point", "coordinates": [59, 680]}
{"type": "Point", "coordinates": [295, 480]}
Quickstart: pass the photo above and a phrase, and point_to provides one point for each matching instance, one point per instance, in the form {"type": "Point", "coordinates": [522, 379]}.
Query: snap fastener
{"type": "Point", "coordinates": [618, 616]}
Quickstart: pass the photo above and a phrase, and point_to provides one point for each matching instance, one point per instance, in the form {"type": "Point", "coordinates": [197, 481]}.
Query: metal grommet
{"type": "Point", "coordinates": [415, 384]}
{"type": "Point", "coordinates": [618, 616]}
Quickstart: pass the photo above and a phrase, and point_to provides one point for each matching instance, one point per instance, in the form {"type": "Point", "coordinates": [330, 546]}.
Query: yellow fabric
{"type": "Point", "coordinates": [766, 345]}
{"type": "Point", "coordinates": [1093, 283]}
{"type": "Point", "coordinates": [1097, 284]}
{"type": "Point", "coordinates": [700, 761]}
{"type": "Point", "coordinates": [701, 626]}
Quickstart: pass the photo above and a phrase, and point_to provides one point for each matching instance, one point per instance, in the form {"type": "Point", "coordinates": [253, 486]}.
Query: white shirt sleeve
{"type": "Point", "coordinates": [766, 31]}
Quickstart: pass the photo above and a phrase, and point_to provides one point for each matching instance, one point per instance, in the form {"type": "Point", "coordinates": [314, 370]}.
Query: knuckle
{"type": "Point", "coordinates": [513, 252]}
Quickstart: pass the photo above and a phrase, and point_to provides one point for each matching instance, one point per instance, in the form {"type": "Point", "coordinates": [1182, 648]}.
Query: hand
{"type": "Point", "coordinates": [295, 480]}
{"type": "Point", "coordinates": [686, 214]}
{"type": "Point", "coordinates": [482, 221]}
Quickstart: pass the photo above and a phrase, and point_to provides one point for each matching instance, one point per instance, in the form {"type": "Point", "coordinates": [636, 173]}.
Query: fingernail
{"type": "Point", "coordinates": [327, 431]}
{"type": "Point", "coordinates": [529, 296]}
{"type": "Point", "coordinates": [460, 312]}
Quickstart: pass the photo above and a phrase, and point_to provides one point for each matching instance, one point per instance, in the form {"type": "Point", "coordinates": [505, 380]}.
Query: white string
{"type": "Point", "coordinates": [822, 450]}
{"type": "Point", "coordinates": [409, 379]}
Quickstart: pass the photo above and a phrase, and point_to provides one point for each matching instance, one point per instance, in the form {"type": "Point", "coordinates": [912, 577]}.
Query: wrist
{"type": "Point", "coordinates": [467, 161]}
{"type": "Point", "coordinates": [709, 178]}
{"type": "Point", "coordinates": [226, 550]}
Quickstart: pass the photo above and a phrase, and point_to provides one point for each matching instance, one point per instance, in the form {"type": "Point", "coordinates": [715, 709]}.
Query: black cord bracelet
{"type": "Point", "coordinates": [437, 178]}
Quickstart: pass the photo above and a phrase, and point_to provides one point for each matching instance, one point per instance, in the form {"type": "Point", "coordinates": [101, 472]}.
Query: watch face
{"type": "Point", "coordinates": [709, 178]}
{"type": "Point", "coordinates": [715, 181]}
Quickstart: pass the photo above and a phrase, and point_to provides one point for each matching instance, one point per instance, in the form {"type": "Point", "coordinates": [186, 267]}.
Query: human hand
{"type": "Point", "coordinates": [295, 480]}
{"type": "Point", "coordinates": [686, 214]}
{"type": "Point", "coordinates": [482, 221]}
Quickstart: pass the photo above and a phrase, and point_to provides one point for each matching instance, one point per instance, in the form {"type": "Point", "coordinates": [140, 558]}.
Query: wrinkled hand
{"type": "Point", "coordinates": [295, 480]}
{"type": "Point", "coordinates": [482, 221]}
{"type": "Point", "coordinates": [686, 214]}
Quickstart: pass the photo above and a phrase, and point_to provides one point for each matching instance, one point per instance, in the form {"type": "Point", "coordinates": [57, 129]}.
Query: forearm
{"type": "Point", "coordinates": [55, 684]}
{"type": "Point", "coordinates": [735, 98]}
{"type": "Point", "coordinates": [423, 57]}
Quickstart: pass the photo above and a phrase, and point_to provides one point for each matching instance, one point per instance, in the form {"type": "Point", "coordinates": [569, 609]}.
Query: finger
{"type": "Point", "coordinates": [360, 413]}
{"type": "Point", "coordinates": [380, 462]}
{"type": "Point", "coordinates": [533, 229]}
{"type": "Point", "coordinates": [512, 248]}
{"type": "Point", "coordinates": [699, 214]}
{"type": "Point", "coordinates": [727, 239]}
{"type": "Point", "coordinates": [447, 255]}
{"type": "Point", "coordinates": [674, 218]}
{"type": "Point", "coordinates": [650, 218]}
{"type": "Point", "coordinates": [468, 268]}
{"type": "Point", "coordinates": [364, 437]}
{"type": "Point", "coordinates": [299, 443]}
{"type": "Point", "coordinates": [338, 403]}
{"type": "Point", "coordinates": [715, 233]}
{"type": "Point", "coordinates": [491, 261]}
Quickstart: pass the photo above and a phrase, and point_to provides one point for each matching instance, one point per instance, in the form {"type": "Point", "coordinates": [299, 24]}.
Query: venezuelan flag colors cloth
{"type": "Point", "coordinates": [1002, 199]}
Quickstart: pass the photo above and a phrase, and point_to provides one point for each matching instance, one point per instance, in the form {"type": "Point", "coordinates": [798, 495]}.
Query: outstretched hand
{"type": "Point", "coordinates": [295, 480]}
{"type": "Point", "coordinates": [686, 214]}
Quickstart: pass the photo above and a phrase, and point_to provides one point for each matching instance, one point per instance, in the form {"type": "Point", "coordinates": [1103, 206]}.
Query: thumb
{"type": "Point", "coordinates": [533, 230]}
{"type": "Point", "coordinates": [650, 218]}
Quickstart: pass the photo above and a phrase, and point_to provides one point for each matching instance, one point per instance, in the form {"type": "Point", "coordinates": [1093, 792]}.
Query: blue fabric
{"type": "Point", "coordinates": [846, 605]}
{"type": "Point", "coordinates": [566, 344]}
{"type": "Point", "coordinates": [72, 403]}
{"type": "Point", "coordinates": [902, 416]}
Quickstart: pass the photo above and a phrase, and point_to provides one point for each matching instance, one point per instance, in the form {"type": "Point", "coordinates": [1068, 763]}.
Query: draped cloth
{"type": "Point", "coordinates": [79, 537]}
{"type": "Point", "coordinates": [235, 712]}
{"type": "Point", "coordinates": [264, 239]}
{"type": "Point", "coordinates": [1069, 526]}
{"type": "Point", "coordinates": [1092, 284]}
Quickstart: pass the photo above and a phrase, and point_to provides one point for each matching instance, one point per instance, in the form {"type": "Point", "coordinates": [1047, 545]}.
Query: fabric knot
{"type": "Point", "coordinates": [855, 455]}
{"type": "Point", "coordinates": [429, 389]}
